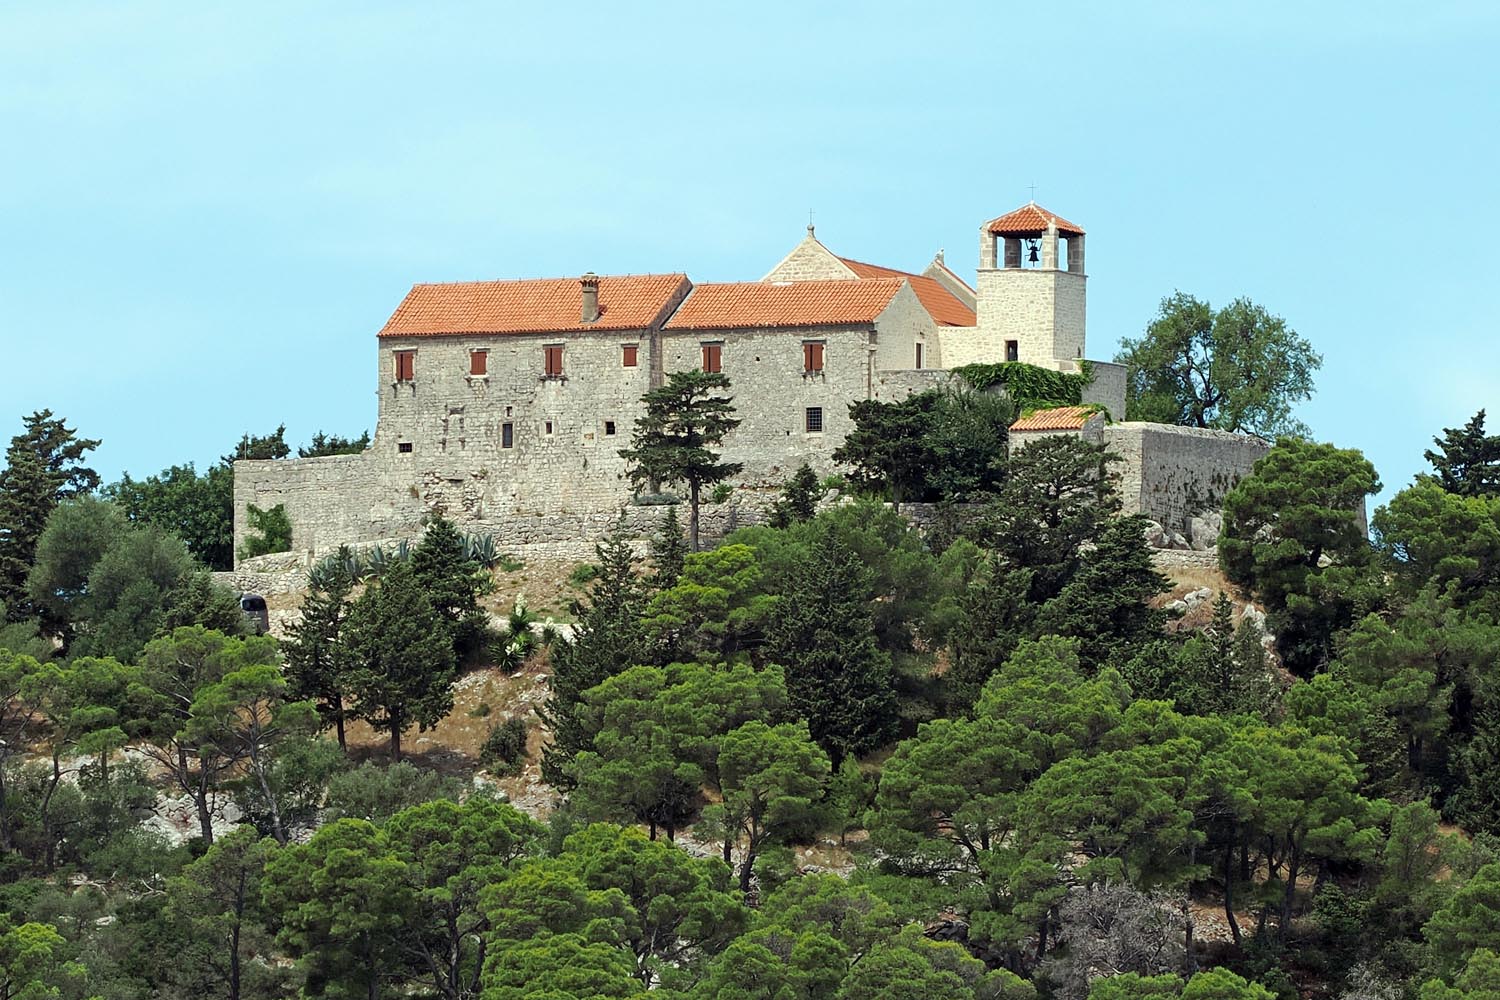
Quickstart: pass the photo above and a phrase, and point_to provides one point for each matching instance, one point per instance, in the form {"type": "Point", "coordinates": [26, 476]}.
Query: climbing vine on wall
{"type": "Point", "coordinates": [1031, 387]}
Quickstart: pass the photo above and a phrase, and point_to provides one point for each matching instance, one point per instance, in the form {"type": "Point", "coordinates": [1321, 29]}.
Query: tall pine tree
{"type": "Point", "coordinates": [317, 660]}
{"type": "Point", "coordinates": [823, 635]}
{"type": "Point", "coordinates": [43, 467]}
{"type": "Point", "coordinates": [1467, 461]}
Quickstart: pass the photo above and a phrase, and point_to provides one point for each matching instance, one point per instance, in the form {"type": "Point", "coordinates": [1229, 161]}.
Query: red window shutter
{"type": "Point", "coordinates": [631, 355]}
{"type": "Point", "coordinates": [812, 357]}
{"type": "Point", "coordinates": [405, 365]}
{"type": "Point", "coordinates": [479, 362]}
{"type": "Point", "coordinates": [553, 360]}
{"type": "Point", "coordinates": [713, 358]}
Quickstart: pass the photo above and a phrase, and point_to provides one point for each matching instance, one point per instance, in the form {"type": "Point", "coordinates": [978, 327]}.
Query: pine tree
{"type": "Point", "coordinates": [668, 549]}
{"type": "Point", "coordinates": [43, 468]}
{"type": "Point", "coordinates": [607, 639]}
{"type": "Point", "coordinates": [799, 499]}
{"type": "Point", "coordinates": [675, 439]}
{"type": "Point", "coordinates": [837, 676]}
{"type": "Point", "coordinates": [401, 660]}
{"type": "Point", "coordinates": [1467, 461]}
{"type": "Point", "coordinates": [452, 582]}
{"type": "Point", "coordinates": [316, 658]}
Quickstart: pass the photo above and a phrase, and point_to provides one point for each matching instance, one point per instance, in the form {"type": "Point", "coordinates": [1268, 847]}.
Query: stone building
{"type": "Point", "coordinates": [504, 404]}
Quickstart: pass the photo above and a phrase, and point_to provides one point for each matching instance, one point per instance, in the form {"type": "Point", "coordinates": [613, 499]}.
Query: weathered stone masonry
{"type": "Point", "coordinates": [477, 427]}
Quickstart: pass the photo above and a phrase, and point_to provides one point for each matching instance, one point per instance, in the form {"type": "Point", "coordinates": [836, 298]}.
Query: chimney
{"type": "Point", "coordinates": [590, 285]}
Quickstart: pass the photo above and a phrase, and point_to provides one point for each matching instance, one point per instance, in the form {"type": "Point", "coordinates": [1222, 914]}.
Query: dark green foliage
{"type": "Point", "coordinates": [823, 634]}
{"type": "Point", "coordinates": [255, 447]}
{"type": "Point", "coordinates": [376, 792]}
{"type": "Point", "coordinates": [271, 531]}
{"type": "Point", "coordinates": [1031, 387]}
{"type": "Point", "coordinates": [452, 580]}
{"type": "Point", "coordinates": [1467, 460]}
{"type": "Point", "coordinates": [317, 659]}
{"type": "Point", "coordinates": [799, 498]}
{"type": "Point", "coordinates": [668, 549]}
{"type": "Point", "coordinates": [333, 444]}
{"type": "Point", "coordinates": [1236, 369]}
{"type": "Point", "coordinates": [1294, 536]}
{"type": "Point", "coordinates": [1058, 495]}
{"type": "Point", "coordinates": [197, 509]}
{"type": "Point", "coordinates": [505, 746]}
{"type": "Point", "coordinates": [607, 638]}
{"type": "Point", "coordinates": [1104, 603]}
{"type": "Point", "coordinates": [401, 666]}
{"type": "Point", "coordinates": [945, 444]}
{"type": "Point", "coordinates": [43, 467]}
{"type": "Point", "coordinates": [676, 439]}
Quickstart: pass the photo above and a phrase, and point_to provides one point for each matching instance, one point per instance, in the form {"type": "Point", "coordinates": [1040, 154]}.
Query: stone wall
{"type": "Point", "coordinates": [810, 261]}
{"type": "Point", "coordinates": [1043, 311]}
{"type": "Point", "coordinates": [1170, 473]}
{"type": "Point", "coordinates": [1107, 388]}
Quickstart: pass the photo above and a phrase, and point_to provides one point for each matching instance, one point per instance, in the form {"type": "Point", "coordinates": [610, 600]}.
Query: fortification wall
{"type": "Point", "coordinates": [1171, 473]}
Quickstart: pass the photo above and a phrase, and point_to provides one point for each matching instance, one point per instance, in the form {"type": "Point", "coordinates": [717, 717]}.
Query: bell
{"type": "Point", "coordinates": [1032, 254]}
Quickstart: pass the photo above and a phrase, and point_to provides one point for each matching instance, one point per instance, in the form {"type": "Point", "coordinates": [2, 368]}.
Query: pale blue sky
{"type": "Point", "coordinates": [208, 210]}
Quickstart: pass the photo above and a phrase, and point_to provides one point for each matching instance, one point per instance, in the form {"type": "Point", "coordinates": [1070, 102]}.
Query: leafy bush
{"type": "Point", "coordinates": [505, 746]}
{"type": "Point", "coordinates": [271, 531]}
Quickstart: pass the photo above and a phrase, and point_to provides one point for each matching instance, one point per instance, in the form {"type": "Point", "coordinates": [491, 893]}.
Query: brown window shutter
{"type": "Point", "coordinates": [479, 362]}
{"type": "Point", "coordinates": [631, 355]}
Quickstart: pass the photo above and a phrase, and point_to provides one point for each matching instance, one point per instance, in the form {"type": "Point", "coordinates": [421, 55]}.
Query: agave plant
{"type": "Point", "coordinates": [403, 551]}
{"type": "Point", "coordinates": [520, 640]}
{"type": "Point", "coordinates": [377, 560]}
{"type": "Point", "coordinates": [483, 550]}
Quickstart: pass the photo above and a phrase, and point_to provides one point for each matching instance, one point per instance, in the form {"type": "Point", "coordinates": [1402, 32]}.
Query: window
{"type": "Point", "coordinates": [812, 355]}
{"type": "Point", "coordinates": [406, 365]}
{"type": "Point", "coordinates": [404, 447]}
{"type": "Point", "coordinates": [713, 357]}
{"type": "Point", "coordinates": [919, 356]}
{"type": "Point", "coordinates": [609, 427]}
{"type": "Point", "coordinates": [479, 362]}
{"type": "Point", "coordinates": [553, 361]}
{"type": "Point", "coordinates": [549, 427]}
{"type": "Point", "coordinates": [507, 435]}
{"type": "Point", "coordinates": [814, 420]}
{"type": "Point", "coordinates": [1012, 350]}
{"type": "Point", "coordinates": [631, 354]}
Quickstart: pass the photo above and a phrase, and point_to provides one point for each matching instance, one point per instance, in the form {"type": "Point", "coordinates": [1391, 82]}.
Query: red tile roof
{"type": "Point", "coordinates": [548, 305]}
{"type": "Point", "coordinates": [1061, 418]}
{"type": "Point", "coordinates": [940, 303]}
{"type": "Point", "coordinates": [1030, 219]}
{"type": "Point", "coordinates": [768, 304]}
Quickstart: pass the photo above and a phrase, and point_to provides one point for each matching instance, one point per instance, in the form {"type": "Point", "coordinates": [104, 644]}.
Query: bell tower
{"type": "Point", "coordinates": [1031, 294]}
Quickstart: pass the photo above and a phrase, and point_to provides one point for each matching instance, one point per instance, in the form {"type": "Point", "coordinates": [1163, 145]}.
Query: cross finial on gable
{"type": "Point", "coordinates": [1032, 186]}
{"type": "Point", "coordinates": [810, 222]}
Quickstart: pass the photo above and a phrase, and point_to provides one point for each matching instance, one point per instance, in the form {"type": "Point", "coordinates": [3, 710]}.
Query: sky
{"type": "Point", "coordinates": [207, 211]}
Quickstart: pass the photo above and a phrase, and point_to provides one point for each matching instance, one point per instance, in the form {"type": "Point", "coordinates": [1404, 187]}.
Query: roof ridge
{"type": "Point", "coordinates": [553, 277]}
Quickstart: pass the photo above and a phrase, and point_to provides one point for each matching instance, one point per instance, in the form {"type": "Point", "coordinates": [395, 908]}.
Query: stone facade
{"type": "Point", "coordinates": [515, 429]}
{"type": "Point", "coordinates": [1172, 473]}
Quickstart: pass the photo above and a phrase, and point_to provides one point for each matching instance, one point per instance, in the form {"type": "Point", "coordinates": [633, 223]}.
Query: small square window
{"type": "Point", "coordinates": [549, 427]}
{"type": "Point", "coordinates": [404, 447]}
{"type": "Point", "coordinates": [406, 365]}
{"type": "Point", "coordinates": [507, 435]}
{"type": "Point", "coordinates": [713, 357]}
{"type": "Point", "coordinates": [507, 411]}
{"type": "Point", "coordinates": [812, 355]}
{"type": "Point", "coordinates": [609, 427]}
{"type": "Point", "coordinates": [1012, 350]}
{"type": "Point", "coordinates": [630, 355]}
{"type": "Point", "coordinates": [553, 361]}
{"type": "Point", "coordinates": [814, 422]}
{"type": "Point", "coordinates": [479, 362]}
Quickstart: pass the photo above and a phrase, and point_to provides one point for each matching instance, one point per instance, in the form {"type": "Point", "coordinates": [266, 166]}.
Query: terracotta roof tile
{"type": "Point", "coordinates": [767, 304]}
{"type": "Point", "coordinates": [940, 303]}
{"type": "Point", "coordinates": [1061, 418]}
{"type": "Point", "coordinates": [548, 305]}
{"type": "Point", "coordinates": [1030, 219]}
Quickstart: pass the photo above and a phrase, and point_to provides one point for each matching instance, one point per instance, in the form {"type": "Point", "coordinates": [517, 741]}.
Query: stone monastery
{"type": "Point", "coordinates": [504, 404]}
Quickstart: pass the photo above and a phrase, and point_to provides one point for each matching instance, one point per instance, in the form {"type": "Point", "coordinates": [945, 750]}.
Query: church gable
{"type": "Point", "coordinates": [810, 261]}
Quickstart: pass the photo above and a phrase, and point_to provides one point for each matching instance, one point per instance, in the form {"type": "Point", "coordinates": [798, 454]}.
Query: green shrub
{"type": "Point", "coordinates": [505, 746]}
{"type": "Point", "coordinates": [271, 531]}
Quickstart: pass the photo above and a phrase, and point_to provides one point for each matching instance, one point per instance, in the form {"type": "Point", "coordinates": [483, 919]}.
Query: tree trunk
{"type": "Point", "coordinates": [1288, 895]}
{"type": "Point", "coordinates": [234, 962]}
{"type": "Point", "coordinates": [338, 723]}
{"type": "Point", "coordinates": [271, 804]}
{"type": "Point", "coordinates": [200, 800]}
{"type": "Point", "coordinates": [693, 515]}
{"type": "Point", "coordinates": [395, 742]}
{"type": "Point", "coordinates": [1234, 925]}
{"type": "Point", "coordinates": [50, 855]}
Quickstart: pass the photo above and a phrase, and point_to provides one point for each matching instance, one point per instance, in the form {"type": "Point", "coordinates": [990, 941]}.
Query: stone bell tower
{"type": "Point", "coordinates": [1031, 294]}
